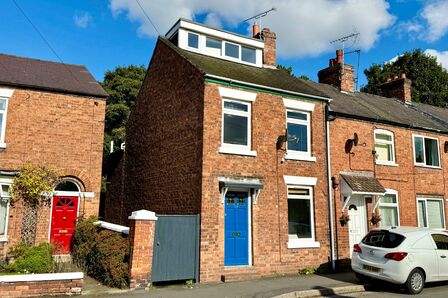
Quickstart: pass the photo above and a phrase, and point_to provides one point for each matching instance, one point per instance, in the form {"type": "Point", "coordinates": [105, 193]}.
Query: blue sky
{"type": "Point", "coordinates": [103, 34]}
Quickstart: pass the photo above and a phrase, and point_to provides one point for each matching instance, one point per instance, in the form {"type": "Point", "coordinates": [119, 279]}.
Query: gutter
{"type": "Point", "coordinates": [329, 191]}
{"type": "Point", "coordinates": [230, 81]}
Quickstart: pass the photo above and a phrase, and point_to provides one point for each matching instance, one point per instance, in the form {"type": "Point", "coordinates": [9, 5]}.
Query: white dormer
{"type": "Point", "coordinates": [209, 41]}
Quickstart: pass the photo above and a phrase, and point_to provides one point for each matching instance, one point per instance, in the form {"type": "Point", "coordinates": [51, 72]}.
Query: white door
{"type": "Point", "coordinates": [357, 225]}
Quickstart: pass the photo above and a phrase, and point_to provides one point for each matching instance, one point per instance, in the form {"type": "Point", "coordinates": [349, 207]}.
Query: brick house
{"type": "Point", "coordinates": [388, 156]}
{"type": "Point", "coordinates": [207, 136]}
{"type": "Point", "coordinates": [50, 114]}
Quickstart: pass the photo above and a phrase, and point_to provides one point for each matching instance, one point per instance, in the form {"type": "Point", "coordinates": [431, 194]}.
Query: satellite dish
{"type": "Point", "coordinates": [355, 139]}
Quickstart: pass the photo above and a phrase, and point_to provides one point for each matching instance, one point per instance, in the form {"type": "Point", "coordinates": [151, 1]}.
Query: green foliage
{"type": "Point", "coordinates": [289, 71]}
{"type": "Point", "coordinates": [189, 283]}
{"type": "Point", "coordinates": [123, 84]}
{"type": "Point", "coordinates": [29, 259]}
{"type": "Point", "coordinates": [102, 254]}
{"type": "Point", "coordinates": [31, 182]}
{"type": "Point", "coordinates": [307, 270]}
{"type": "Point", "coordinates": [429, 78]}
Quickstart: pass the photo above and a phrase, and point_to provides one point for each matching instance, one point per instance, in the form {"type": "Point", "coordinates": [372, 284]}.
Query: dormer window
{"type": "Point", "coordinates": [213, 46]}
{"type": "Point", "coordinates": [248, 55]}
{"type": "Point", "coordinates": [232, 50]}
{"type": "Point", "coordinates": [193, 40]}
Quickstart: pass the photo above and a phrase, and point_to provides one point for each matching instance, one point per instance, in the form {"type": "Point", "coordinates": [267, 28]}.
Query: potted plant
{"type": "Point", "coordinates": [375, 219]}
{"type": "Point", "coordinates": [344, 219]}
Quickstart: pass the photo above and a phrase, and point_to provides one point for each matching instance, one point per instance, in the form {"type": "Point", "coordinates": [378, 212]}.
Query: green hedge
{"type": "Point", "coordinates": [27, 259]}
{"type": "Point", "coordinates": [102, 254]}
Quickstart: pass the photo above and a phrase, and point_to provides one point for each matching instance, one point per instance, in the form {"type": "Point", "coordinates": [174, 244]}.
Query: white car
{"type": "Point", "coordinates": [402, 255]}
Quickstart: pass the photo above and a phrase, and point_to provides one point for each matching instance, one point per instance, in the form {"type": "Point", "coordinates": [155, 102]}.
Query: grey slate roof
{"type": "Point", "coordinates": [363, 183]}
{"type": "Point", "coordinates": [385, 110]}
{"type": "Point", "coordinates": [267, 77]}
{"type": "Point", "coordinates": [47, 75]}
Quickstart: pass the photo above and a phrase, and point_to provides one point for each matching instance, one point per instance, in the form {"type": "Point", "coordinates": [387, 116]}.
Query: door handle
{"type": "Point", "coordinates": [443, 257]}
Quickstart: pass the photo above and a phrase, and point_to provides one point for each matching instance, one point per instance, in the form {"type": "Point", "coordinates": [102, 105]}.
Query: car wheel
{"type": "Point", "coordinates": [415, 282]}
{"type": "Point", "coordinates": [362, 278]}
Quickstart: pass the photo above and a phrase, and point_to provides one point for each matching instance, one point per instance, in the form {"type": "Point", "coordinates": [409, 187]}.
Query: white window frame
{"type": "Point", "coordinates": [4, 94]}
{"type": "Point", "coordinates": [305, 108]}
{"type": "Point", "coordinates": [425, 199]}
{"type": "Point", "coordinates": [241, 54]}
{"type": "Point", "coordinates": [230, 57]}
{"type": "Point", "coordinates": [423, 164]}
{"type": "Point", "coordinates": [199, 41]}
{"type": "Point", "coordinates": [395, 205]}
{"type": "Point", "coordinates": [209, 50]}
{"type": "Point", "coordinates": [296, 182]}
{"type": "Point", "coordinates": [384, 142]}
{"type": "Point", "coordinates": [5, 197]}
{"type": "Point", "coordinates": [241, 97]}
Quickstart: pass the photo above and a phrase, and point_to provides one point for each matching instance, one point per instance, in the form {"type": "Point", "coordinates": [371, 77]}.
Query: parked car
{"type": "Point", "coordinates": [402, 255]}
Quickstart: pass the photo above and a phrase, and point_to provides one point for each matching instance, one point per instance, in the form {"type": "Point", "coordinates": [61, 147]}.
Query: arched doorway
{"type": "Point", "coordinates": [64, 213]}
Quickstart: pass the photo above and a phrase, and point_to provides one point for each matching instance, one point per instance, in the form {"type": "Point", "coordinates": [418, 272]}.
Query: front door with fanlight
{"type": "Point", "coordinates": [358, 220]}
{"type": "Point", "coordinates": [63, 222]}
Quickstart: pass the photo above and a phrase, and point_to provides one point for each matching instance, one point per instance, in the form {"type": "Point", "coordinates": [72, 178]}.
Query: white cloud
{"type": "Point", "coordinates": [435, 14]}
{"type": "Point", "coordinates": [303, 27]}
{"type": "Point", "coordinates": [442, 56]}
{"type": "Point", "coordinates": [82, 19]}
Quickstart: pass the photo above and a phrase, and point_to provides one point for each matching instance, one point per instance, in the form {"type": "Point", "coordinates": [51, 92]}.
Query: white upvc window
{"type": "Point", "coordinates": [389, 209]}
{"type": "Point", "coordinates": [426, 151]}
{"type": "Point", "coordinates": [431, 213]}
{"type": "Point", "coordinates": [193, 40]}
{"type": "Point", "coordinates": [301, 232]}
{"type": "Point", "coordinates": [232, 50]}
{"type": "Point", "coordinates": [213, 46]}
{"type": "Point", "coordinates": [384, 147]}
{"type": "Point", "coordinates": [5, 94]}
{"type": "Point", "coordinates": [5, 198]}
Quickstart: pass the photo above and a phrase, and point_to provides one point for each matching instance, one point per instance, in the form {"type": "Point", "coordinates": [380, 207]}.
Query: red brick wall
{"type": "Point", "coordinates": [270, 214]}
{"type": "Point", "coordinates": [164, 140]}
{"type": "Point", "coordinates": [64, 131]}
{"type": "Point", "coordinates": [410, 181]}
{"type": "Point", "coordinates": [41, 288]}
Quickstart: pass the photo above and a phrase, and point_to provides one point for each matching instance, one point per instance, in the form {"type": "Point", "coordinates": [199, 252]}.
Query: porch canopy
{"type": "Point", "coordinates": [253, 184]}
{"type": "Point", "coordinates": [360, 184]}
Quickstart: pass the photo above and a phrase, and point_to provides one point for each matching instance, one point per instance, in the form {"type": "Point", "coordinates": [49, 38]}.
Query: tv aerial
{"type": "Point", "coordinates": [257, 18]}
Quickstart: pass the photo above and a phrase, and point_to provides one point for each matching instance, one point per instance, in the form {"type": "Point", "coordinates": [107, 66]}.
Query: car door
{"type": "Point", "coordinates": [441, 241]}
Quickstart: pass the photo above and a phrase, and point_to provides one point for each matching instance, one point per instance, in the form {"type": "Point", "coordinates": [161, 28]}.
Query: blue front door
{"type": "Point", "coordinates": [236, 242]}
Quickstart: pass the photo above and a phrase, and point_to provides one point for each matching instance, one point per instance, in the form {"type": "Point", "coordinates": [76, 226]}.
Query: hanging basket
{"type": "Point", "coordinates": [375, 219]}
{"type": "Point", "coordinates": [344, 219]}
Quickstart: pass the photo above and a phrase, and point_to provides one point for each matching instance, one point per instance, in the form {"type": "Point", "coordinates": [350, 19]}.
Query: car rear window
{"type": "Point", "coordinates": [383, 239]}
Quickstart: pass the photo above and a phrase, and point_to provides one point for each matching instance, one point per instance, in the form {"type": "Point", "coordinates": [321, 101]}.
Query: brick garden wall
{"type": "Point", "coordinates": [65, 131]}
{"type": "Point", "coordinates": [41, 288]}
{"type": "Point", "coordinates": [410, 181]}
{"type": "Point", "coordinates": [270, 214]}
{"type": "Point", "coordinates": [164, 140]}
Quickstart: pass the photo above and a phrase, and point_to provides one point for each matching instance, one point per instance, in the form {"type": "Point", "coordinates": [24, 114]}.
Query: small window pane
{"type": "Point", "coordinates": [383, 137]}
{"type": "Point", "coordinates": [389, 216]}
{"type": "Point", "coordinates": [297, 115]}
{"type": "Point", "coordinates": [389, 198]}
{"type": "Point", "coordinates": [3, 216]}
{"type": "Point", "coordinates": [5, 191]}
{"type": "Point", "coordinates": [418, 147]}
{"type": "Point", "coordinates": [193, 40]}
{"type": "Point", "coordinates": [248, 55]}
{"type": "Point", "coordinates": [2, 104]}
{"type": "Point", "coordinates": [232, 50]}
{"type": "Point", "coordinates": [298, 191]}
{"type": "Point", "coordinates": [297, 137]}
{"type": "Point", "coordinates": [421, 214]}
{"type": "Point", "coordinates": [431, 152]}
{"type": "Point", "coordinates": [435, 214]}
{"type": "Point", "coordinates": [299, 218]}
{"type": "Point", "coordinates": [67, 185]}
{"type": "Point", "coordinates": [236, 106]}
{"type": "Point", "coordinates": [384, 152]}
{"type": "Point", "coordinates": [213, 43]}
{"type": "Point", "coordinates": [235, 129]}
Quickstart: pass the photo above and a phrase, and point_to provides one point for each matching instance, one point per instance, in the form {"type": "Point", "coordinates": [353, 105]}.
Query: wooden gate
{"type": "Point", "coordinates": [176, 248]}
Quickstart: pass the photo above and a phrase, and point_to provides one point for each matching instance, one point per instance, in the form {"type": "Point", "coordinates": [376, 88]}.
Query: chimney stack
{"type": "Point", "coordinates": [338, 74]}
{"type": "Point", "coordinates": [398, 87]}
{"type": "Point", "coordinates": [270, 48]}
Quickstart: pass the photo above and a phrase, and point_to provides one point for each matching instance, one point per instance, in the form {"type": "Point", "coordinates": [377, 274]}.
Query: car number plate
{"type": "Point", "coordinates": [371, 268]}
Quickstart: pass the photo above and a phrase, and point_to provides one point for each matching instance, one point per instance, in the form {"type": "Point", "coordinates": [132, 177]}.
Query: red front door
{"type": "Point", "coordinates": [63, 221]}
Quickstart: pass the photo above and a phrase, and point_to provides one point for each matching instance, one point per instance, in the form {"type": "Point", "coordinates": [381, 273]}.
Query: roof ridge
{"type": "Point", "coordinates": [41, 60]}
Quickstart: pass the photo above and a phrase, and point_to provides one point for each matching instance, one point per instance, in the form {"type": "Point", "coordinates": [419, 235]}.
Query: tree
{"type": "Point", "coordinates": [123, 84]}
{"type": "Point", "coordinates": [429, 78]}
{"type": "Point", "coordinates": [289, 71]}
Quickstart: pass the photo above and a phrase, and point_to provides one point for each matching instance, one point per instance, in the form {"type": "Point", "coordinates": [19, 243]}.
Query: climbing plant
{"type": "Point", "coordinates": [33, 187]}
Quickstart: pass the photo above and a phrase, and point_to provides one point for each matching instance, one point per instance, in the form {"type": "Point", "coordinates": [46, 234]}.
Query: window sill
{"type": "Point", "coordinates": [295, 156]}
{"type": "Point", "coordinates": [2, 145]}
{"type": "Point", "coordinates": [385, 163]}
{"type": "Point", "coordinates": [297, 243]}
{"type": "Point", "coordinates": [3, 238]}
{"type": "Point", "coordinates": [237, 151]}
{"type": "Point", "coordinates": [428, 167]}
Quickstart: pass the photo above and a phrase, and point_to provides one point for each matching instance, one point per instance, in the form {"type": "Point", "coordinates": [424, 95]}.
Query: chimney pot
{"type": "Point", "coordinates": [389, 79]}
{"type": "Point", "coordinates": [338, 74]}
{"type": "Point", "coordinates": [255, 30]}
{"type": "Point", "coordinates": [395, 77]}
{"type": "Point", "coordinates": [340, 56]}
{"type": "Point", "coordinates": [402, 75]}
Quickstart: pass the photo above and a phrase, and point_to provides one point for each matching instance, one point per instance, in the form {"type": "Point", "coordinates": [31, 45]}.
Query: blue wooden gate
{"type": "Point", "coordinates": [176, 248]}
{"type": "Point", "coordinates": [236, 242]}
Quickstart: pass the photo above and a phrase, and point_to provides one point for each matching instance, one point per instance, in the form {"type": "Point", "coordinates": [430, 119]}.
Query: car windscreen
{"type": "Point", "coordinates": [383, 238]}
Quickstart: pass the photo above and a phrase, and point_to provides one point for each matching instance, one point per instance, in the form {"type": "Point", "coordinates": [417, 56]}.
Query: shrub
{"type": "Point", "coordinates": [29, 259]}
{"type": "Point", "coordinates": [102, 254]}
